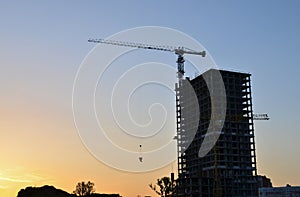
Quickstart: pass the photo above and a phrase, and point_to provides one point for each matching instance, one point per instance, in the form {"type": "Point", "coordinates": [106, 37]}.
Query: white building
{"type": "Point", "coordinates": [288, 191]}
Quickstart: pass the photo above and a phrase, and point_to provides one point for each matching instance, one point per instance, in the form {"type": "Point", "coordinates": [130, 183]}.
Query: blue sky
{"type": "Point", "coordinates": [44, 42]}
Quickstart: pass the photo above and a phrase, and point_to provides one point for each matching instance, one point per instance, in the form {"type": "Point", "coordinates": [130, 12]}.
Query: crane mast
{"type": "Point", "coordinates": [179, 51]}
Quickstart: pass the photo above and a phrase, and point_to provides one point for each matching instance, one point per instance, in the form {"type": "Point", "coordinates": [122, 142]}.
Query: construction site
{"type": "Point", "coordinates": [228, 169]}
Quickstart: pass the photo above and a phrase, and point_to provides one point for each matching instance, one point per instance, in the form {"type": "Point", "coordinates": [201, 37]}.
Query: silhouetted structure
{"type": "Point", "coordinates": [263, 181]}
{"type": "Point", "coordinates": [229, 169]}
{"type": "Point", "coordinates": [50, 191]}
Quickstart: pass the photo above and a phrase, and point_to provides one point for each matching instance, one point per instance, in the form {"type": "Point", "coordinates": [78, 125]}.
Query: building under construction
{"type": "Point", "coordinates": [229, 168]}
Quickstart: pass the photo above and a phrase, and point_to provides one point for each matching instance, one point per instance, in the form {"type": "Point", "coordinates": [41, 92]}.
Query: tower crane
{"type": "Point", "coordinates": [179, 51]}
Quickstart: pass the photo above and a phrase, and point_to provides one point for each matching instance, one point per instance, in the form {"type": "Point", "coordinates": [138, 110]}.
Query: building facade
{"type": "Point", "coordinates": [288, 191]}
{"type": "Point", "coordinates": [229, 168]}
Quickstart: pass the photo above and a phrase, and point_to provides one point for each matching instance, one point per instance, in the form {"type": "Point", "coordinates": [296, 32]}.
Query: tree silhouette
{"type": "Point", "coordinates": [166, 187]}
{"type": "Point", "coordinates": [84, 189]}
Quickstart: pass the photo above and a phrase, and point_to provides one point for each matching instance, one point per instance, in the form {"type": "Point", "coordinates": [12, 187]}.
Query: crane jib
{"type": "Point", "coordinates": [177, 50]}
{"type": "Point", "coordinates": [180, 51]}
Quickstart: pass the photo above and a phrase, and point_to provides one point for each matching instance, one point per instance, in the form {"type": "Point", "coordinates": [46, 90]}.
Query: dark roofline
{"type": "Point", "coordinates": [221, 71]}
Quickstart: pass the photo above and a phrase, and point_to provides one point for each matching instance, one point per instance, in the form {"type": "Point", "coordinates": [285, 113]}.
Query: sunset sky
{"type": "Point", "coordinates": [43, 44]}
